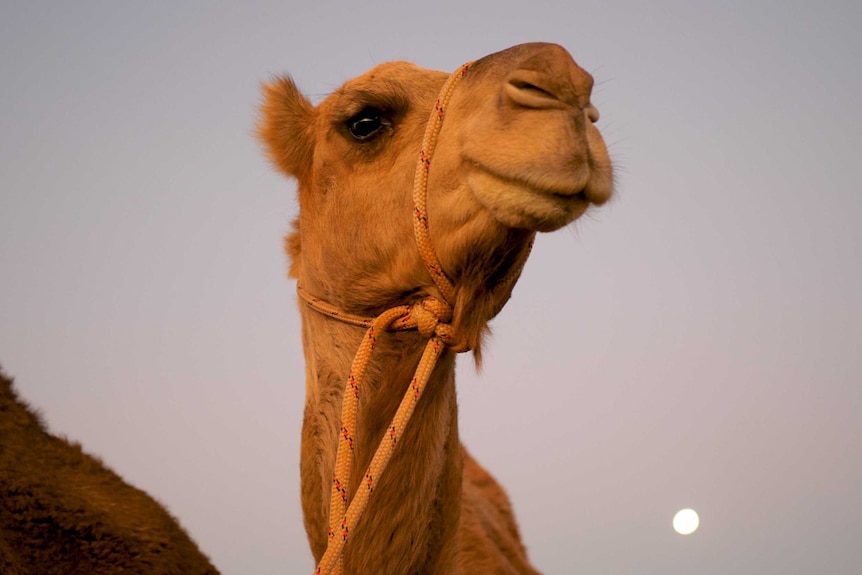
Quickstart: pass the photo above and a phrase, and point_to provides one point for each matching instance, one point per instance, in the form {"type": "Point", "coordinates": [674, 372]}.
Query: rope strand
{"type": "Point", "coordinates": [420, 187]}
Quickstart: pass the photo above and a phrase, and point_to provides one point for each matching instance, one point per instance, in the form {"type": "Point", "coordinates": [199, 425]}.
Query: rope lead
{"type": "Point", "coordinates": [430, 317]}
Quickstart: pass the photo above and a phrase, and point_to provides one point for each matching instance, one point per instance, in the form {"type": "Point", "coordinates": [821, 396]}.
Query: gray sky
{"type": "Point", "coordinates": [694, 344]}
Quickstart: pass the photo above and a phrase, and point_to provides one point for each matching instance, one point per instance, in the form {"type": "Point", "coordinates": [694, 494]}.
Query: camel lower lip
{"type": "Point", "coordinates": [521, 204]}
{"type": "Point", "coordinates": [563, 187]}
{"type": "Point", "coordinates": [554, 193]}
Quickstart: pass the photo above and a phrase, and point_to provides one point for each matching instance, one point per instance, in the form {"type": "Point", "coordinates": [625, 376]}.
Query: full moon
{"type": "Point", "coordinates": [685, 521]}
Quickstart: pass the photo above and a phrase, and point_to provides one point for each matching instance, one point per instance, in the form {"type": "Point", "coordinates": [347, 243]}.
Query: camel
{"type": "Point", "coordinates": [63, 512]}
{"type": "Point", "coordinates": [517, 153]}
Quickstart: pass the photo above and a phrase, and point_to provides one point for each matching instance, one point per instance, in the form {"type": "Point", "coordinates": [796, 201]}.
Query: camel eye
{"type": "Point", "coordinates": [367, 124]}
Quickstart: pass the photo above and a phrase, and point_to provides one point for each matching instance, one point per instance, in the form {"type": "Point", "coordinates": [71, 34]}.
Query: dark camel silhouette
{"type": "Point", "coordinates": [63, 512]}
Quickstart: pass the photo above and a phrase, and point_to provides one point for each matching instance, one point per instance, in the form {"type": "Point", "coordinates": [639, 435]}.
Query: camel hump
{"type": "Point", "coordinates": [63, 511]}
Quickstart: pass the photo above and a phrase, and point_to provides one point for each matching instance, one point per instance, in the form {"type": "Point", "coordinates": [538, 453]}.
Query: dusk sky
{"type": "Point", "coordinates": [695, 343]}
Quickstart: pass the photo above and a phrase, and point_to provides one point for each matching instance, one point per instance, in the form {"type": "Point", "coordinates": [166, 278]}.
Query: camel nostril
{"type": "Point", "coordinates": [592, 113]}
{"type": "Point", "coordinates": [522, 85]}
{"type": "Point", "coordinates": [531, 90]}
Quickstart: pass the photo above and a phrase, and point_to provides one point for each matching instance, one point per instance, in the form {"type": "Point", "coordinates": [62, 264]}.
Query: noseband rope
{"type": "Point", "coordinates": [430, 316]}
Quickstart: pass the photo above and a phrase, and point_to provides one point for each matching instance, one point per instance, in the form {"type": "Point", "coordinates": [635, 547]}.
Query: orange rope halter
{"type": "Point", "coordinates": [430, 316]}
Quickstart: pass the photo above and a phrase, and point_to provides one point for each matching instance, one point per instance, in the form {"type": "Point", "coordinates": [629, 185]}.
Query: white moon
{"type": "Point", "coordinates": [686, 521]}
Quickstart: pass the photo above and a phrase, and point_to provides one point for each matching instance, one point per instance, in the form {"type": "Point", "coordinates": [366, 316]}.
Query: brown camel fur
{"type": "Point", "coordinates": [62, 512]}
{"type": "Point", "coordinates": [518, 153]}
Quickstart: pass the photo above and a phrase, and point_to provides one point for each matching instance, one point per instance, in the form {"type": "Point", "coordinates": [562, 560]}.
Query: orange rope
{"type": "Point", "coordinates": [420, 188]}
{"type": "Point", "coordinates": [429, 316]}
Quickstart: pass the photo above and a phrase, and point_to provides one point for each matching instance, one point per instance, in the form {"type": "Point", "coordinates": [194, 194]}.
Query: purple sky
{"type": "Point", "coordinates": [694, 344]}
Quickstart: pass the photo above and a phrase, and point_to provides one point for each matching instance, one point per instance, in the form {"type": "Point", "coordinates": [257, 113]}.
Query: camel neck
{"type": "Point", "coordinates": [414, 510]}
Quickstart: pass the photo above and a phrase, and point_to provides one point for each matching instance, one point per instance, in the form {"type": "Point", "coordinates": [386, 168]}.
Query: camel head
{"type": "Point", "coordinates": [518, 153]}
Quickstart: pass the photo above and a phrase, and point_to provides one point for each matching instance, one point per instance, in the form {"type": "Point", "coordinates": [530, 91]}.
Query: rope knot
{"type": "Point", "coordinates": [430, 313]}
{"type": "Point", "coordinates": [432, 317]}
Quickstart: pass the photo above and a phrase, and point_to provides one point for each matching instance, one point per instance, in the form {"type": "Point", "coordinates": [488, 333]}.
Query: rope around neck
{"type": "Point", "coordinates": [430, 316]}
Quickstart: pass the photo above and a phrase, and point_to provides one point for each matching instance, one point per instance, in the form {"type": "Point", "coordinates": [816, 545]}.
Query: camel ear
{"type": "Point", "coordinates": [286, 127]}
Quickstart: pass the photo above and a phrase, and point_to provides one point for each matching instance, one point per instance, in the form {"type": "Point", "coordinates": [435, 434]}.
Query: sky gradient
{"type": "Point", "coordinates": [696, 343]}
